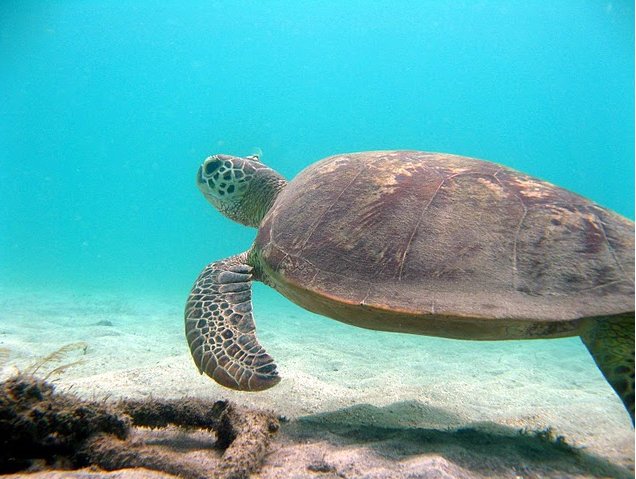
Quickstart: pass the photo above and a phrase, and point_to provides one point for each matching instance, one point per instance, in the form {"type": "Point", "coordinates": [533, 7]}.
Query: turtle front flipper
{"type": "Point", "coordinates": [611, 343]}
{"type": "Point", "coordinates": [220, 328]}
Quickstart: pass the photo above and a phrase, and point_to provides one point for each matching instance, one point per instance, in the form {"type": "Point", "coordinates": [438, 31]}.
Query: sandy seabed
{"type": "Point", "coordinates": [359, 403]}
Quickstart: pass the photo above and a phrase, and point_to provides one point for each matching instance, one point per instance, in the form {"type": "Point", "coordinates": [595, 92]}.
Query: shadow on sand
{"type": "Point", "coordinates": [486, 449]}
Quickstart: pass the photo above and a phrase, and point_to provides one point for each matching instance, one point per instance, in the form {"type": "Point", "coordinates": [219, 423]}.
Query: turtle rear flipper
{"type": "Point", "coordinates": [611, 343]}
{"type": "Point", "coordinates": [220, 327]}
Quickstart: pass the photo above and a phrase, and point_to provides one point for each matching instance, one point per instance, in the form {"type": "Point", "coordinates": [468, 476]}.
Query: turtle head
{"type": "Point", "coordinates": [243, 189]}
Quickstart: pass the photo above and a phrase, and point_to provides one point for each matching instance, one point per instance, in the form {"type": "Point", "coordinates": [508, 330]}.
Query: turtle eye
{"type": "Point", "coordinates": [211, 166]}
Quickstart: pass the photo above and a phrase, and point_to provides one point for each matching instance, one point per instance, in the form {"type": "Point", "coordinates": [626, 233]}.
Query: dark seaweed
{"type": "Point", "coordinates": [39, 424]}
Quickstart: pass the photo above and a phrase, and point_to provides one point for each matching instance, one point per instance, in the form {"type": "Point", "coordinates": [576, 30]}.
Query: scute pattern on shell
{"type": "Point", "coordinates": [429, 233]}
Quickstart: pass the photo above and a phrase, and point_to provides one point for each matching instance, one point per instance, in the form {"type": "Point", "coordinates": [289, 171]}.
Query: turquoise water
{"type": "Point", "coordinates": [107, 109]}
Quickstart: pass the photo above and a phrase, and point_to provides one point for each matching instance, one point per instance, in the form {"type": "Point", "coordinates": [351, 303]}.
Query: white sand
{"type": "Point", "coordinates": [332, 373]}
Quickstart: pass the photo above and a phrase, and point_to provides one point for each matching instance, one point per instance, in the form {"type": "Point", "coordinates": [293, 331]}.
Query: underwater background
{"type": "Point", "coordinates": [107, 109]}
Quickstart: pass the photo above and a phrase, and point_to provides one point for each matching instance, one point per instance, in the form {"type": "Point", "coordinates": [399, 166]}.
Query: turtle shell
{"type": "Point", "coordinates": [445, 245]}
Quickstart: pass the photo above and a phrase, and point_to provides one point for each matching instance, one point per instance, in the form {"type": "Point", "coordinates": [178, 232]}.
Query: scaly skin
{"type": "Point", "coordinates": [243, 189]}
{"type": "Point", "coordinates": [220, 327]}
{"type": "Point", "coordinates": [219, 323]}
{"type": "Point", "coordinates": [611, 343]}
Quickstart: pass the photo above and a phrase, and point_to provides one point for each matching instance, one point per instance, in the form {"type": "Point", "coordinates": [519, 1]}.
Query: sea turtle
{"type": "Point", "coordinates": [414, 242]}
